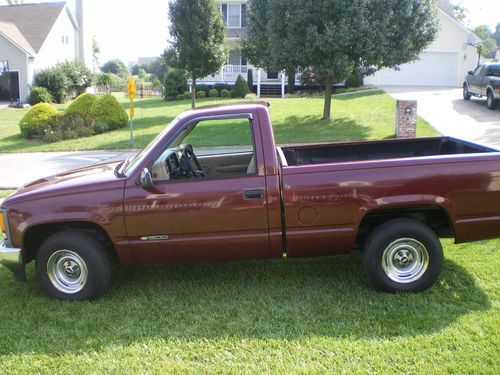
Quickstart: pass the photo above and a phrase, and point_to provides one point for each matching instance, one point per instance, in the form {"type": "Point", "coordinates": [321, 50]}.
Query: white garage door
{"type": "Point", "coordinates": [433, 69]}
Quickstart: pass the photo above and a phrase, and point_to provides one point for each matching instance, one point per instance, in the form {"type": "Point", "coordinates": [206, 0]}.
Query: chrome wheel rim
{"type": "Point", "coordinates": [490, 100]}
{"type": "Point", "coordinates": [465, 92]}
{"type": "Point", "coordinates": [67, 271]}
{"type": "Point", "coordinates": [405, 260]}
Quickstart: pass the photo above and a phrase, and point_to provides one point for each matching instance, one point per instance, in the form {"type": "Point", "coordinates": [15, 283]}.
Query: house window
{"type": "Point", "coordinates": [234, 15]}
{"type": "Point", "coordinates": [234, 57]}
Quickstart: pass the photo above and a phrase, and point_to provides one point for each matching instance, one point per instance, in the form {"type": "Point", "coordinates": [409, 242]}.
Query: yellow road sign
{"type": "Point", "coordinates": [131, 89]}
{"type": "Point", "coordinates": [131, 110]}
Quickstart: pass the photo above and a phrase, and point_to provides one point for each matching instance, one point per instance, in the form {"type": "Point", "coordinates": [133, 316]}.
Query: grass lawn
{"type": "Point", "coordinates": [355, 116]}
{"type": "Point", "coordinates": [5, 193]}
{"type": "Point", "coordinates": [280, 316]}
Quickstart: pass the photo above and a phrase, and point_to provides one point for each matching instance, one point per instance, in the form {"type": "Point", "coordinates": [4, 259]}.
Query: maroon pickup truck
{"type": "Point", "coordinates": [244, 198]}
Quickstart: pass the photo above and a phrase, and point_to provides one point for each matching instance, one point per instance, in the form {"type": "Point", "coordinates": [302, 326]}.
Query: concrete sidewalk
{"type": "Point", "coordinates": [18, 169]}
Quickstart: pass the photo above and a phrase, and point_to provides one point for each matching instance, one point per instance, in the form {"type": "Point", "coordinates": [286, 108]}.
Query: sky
{"type": "Point", "coordinates": [128, 29]}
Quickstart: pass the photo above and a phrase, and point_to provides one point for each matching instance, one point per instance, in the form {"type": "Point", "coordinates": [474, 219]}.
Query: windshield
{"type": "Point", "coordinates": [129, 164]}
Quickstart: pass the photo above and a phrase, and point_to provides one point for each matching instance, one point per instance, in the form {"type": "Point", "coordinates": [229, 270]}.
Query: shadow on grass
{"type": "Point", "coordinates": [298, 129]}
{"type": "Point", "coordinates": [272, 299]}
{"type": "Point", "coordinates": [355, 95]}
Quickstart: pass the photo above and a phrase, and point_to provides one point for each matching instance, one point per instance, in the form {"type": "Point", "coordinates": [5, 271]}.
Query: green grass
{"type": "Point", "coordinates": [281, 316]}
{"type": "Point", "coordinates": [5, 193]}
{"type": "Point", "coordinates": [356, 116]}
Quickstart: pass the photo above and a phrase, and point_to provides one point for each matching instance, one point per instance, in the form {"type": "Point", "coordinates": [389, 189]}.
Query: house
{"type": "Point", "coordinates": [37, 36]}
{"type": "Point", "coordinates": [444, 63]}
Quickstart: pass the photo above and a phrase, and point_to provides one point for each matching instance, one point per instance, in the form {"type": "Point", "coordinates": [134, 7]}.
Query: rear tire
{"type": "Point", "coordinates": [466, 93]}
{"type": "Point", "coordinates": [73, 266]}
{"type": "Point", "coordinates": [402, 255]}
{"type": "Point", "coordinates": [490, 101]}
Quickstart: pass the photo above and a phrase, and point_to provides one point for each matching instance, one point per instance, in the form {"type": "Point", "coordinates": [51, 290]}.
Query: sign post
{"type": "Point", "coordinates": [131, 89]}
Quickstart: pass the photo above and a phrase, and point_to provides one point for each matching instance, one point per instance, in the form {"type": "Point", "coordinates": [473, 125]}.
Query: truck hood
{"type": "Point", "coordinates": [78, 180]}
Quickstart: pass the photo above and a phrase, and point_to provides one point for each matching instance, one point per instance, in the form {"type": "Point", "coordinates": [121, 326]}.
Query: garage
{"type": "Point", "coordinates": [9, 86]}
{"type": "Point", "coordinates": [433, 69]}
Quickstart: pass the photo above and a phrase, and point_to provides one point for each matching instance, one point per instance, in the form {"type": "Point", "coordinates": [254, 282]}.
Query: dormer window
{"type": "Point", "coordinates": [234, 15]}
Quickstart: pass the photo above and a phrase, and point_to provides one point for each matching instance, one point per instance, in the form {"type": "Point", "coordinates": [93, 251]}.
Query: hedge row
{"type": "Point", "coordinates": [85, 116]}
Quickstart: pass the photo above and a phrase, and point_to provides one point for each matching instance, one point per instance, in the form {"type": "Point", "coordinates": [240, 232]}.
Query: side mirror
{"type": "Point", "coordinates": [470, 72]}
{"type": "Point", "coordinates": [145, 180]}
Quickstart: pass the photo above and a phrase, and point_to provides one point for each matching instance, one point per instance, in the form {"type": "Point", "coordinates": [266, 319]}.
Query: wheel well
{"type": "Point", "coordinates": [435, 218]}
{"type": "Point", "coordinates": [488, 90]}
{"type": "Point", "coordinates": [37, 234]}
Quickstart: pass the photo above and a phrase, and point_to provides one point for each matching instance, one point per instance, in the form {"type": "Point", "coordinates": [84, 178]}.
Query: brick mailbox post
{"type": "Point", "coordinates": [406, 119]}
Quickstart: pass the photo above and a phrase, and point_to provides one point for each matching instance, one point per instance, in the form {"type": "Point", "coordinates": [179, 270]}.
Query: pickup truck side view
{"type": "Point", "coordinates": [484, 81]}
{"type": "Point", "coordinates": [177, 201]}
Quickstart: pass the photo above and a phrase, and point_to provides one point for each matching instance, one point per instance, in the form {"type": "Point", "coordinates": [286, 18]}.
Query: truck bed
{"type": "Point", "coordinates": [376, 150]}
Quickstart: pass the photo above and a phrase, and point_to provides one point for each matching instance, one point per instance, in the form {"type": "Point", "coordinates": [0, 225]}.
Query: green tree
{"type": "Point", "coordinates": [95, 53]}
{"type": "Point", "coordinates": [496, 34]}
{"type": "Point", "coordinates": [198, 38]}
{"type": "Point", "coordinates": [332, 37]}
{"type": "Point", "coordinates": [488, 45]}
{"type": "Point", "coordinates": [115, 66]}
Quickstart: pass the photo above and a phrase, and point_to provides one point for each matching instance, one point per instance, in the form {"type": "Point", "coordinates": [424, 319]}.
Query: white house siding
{"type": "Point", "coordinates": [444, 63]}
{"type": "Point", "coordinates": [17, 62]}
{"type": "Point", "coordinates": [54, 50]}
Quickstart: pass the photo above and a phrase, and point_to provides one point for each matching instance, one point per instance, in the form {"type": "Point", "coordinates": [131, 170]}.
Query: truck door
{"type": "Point", "coordinates": [476, 79]}
{"type": "Point", "coordinates": [223, 215]}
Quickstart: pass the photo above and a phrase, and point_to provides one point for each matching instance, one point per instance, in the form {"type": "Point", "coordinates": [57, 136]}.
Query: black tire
{"type": "Point", "coordinates": [490, 101]}
{"type": "Point", "coordinates": [466, 93]}
{"type": "Point", "coordinates": [73, 266]}
{"type": "Point", "coordinates": [402, 255]}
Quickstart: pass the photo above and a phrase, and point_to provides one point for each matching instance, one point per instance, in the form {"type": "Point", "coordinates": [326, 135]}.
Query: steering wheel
{"type": "Point", "coordinates": [192, 161]}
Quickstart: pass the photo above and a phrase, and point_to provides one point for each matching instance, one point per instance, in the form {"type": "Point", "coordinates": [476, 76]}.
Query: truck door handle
{"type": "Point", "coordinates": [253, 194]}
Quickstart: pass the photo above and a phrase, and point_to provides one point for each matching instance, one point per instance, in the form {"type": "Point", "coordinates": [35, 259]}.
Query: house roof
{"type": "Point", "coordinates": [446, 6]}
{"type": "Point", "coordinates": [10, 31]}
{"type": "Point", "coordinates": [34, 21]}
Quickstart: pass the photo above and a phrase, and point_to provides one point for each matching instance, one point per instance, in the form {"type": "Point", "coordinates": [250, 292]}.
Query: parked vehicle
{"type": "Point", "coordinates": [484, 81]}
{"type": "Point", "coordinates": [177, 202]}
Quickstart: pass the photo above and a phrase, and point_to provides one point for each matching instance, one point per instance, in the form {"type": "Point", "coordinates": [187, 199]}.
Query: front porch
{"type": "Point", "coordinates": [229, 73]}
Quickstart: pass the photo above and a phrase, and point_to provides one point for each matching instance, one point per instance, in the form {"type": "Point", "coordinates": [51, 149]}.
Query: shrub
{"type": "Point", "coordinates": [39, 95]}
{"type": "Point", "coordinates": [67, 126]}
{"type": "Point", "coordinates": [225, 93]}
{"type": "Point", "coordinates": [240, 88]}
{"type": "Point", "coordinates": [250, 79]}
{"type": "Point", "coordinates": [78, 75]}
{"type": "Point", "coordinates": [251, 96]}
{"type": "Point", "coordinates": [175, 84]}
{"type": "Point", "coordinates": [108, 114]}
{"type": "Point", "coordinates": [186, 95]}
{"type": "Point", "coordinates": [181, 96]}
{"type": "Point", "coordinates": [35, 123]}
{"type": "Point", "coordinates": [104, 79]}
{"type": "Point", "coordinates": [213, 93]}
{"type": "Point", "coordinates": [202, 88]}
{"type": "Point", "coordinates": [55, 83]}
{"type": "Point", "coordinates": [82, 106]}
{"type": "Point", "coordinates": [201, 94]}
{"type": "Point", "coordinates": [222, 86]}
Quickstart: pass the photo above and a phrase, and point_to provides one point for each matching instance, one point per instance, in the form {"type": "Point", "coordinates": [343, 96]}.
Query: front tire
{"type": "Point", "coordinates": [73, 266]}
{"type": "Point", "coordinates": [402, 255]}
{"type": "Point", "coordinates": [490, 101]}
{"type": "Point", "coordinates": [466, 93]}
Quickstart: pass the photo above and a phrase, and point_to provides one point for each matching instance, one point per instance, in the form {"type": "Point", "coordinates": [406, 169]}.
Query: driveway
{"type": "Point", "coordinates": [448, 113]}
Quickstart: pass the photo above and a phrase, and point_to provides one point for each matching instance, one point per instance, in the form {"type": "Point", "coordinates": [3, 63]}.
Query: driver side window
{"type": "Point", "coordinates": [222, 148]}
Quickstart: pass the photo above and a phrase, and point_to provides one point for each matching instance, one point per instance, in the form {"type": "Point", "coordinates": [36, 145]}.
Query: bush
{"type": "Point", "coordinates": [240, 88]}
{"type": "Point", "coordinates": [82, 106]}
{"type": "Point", "coordinates": [35, 123]}
{"type": "Point", "coordinates": [104, 79]}
{"type": "Point", "coordinates": [78, 75]}
{"type": "Point", "coordinates": [251, 96]}
{"type": "Point", "coordinates": [55, 83]}
{"type": "Point", "coordinates": [108, 114]}
{"type": "Point", "coordinates": [175, 84]}
{"type": "Point", "coordinates": [225, 93]}
{"type": "Point", "coordinates": [181, 96]}
{"type": "Point", "coordinates": [202, 88]}
{"type": "Point", "coordinates": [201, 94]}
{"type": "Point", "coordinates": [250, 79]}
{"type": "Point", "coordinates": [186, 95]}
{"type": "Point", "coordinates": [213, 93]}
{"type": "Point", "coordinates": [222, 86]}
{"type": "Point", "coordinates": [39, 95]}
{"type": "Point", "coordinates": [67, 126]}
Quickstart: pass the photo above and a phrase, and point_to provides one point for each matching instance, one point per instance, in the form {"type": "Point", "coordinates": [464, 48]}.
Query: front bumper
{"type": "Point", "coordinates": [12, 259]}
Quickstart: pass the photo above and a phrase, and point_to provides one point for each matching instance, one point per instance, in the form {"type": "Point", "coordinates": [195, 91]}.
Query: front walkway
{"type": "Point", "coordinates": [445, 109]}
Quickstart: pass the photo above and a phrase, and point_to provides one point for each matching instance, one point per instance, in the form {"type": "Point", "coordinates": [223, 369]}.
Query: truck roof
{"type": "Point", "coordinates": [223, 108]}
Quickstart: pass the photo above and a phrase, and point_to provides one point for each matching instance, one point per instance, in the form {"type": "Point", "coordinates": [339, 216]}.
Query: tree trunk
{"type": "Point", "coordinates": [291, 80]}
{"type": "Point", "coordinates": [193, 93]}
{"type": "Point", "coordinates": [328, 98]}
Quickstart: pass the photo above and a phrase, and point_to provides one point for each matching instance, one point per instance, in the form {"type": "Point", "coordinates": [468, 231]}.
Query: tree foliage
{"type": "Point", "coordinates": [198, 38]}
{"type": "Point", "coordinates": [489, 44]}
{"type": "Point", "coordinates": [115, 66]}
{"type": "Point", "coordinates": [333, 37]}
